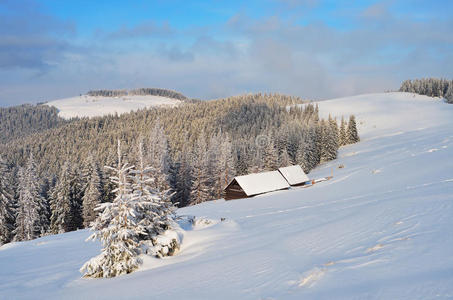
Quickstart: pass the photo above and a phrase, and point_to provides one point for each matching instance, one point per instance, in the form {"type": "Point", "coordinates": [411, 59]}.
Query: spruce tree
{"type": "Point", "coordinates": [270, 156]}
{"type": "Point", "coordinates": [92, 195]}
{"type": "Point", "coordinates": [342, 137]}
{"type": "Point", "coordinates": [64, 202]}
{"type": "Point", "coordinates": [117, 230]}
{"type": "Point", "coordinates": [6, 204]}
{"type": "Point", "coordinates": [352, 134]}
{"type": "Point", "coordinates": [154, 212]}
{"type": "Point", "coordinates": [31, 220]}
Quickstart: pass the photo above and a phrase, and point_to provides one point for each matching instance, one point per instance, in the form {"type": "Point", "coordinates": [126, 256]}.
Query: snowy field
{"type": "Point", "coordinates": [382, 228]}
{"type": "Point", "coordinates": [92, 106]}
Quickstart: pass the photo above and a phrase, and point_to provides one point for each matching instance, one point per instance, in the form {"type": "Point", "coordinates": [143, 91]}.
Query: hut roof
{"type": "Point", "coordinates": [258, 183]}
{"type": "Point", "coordinates": [294, 175]}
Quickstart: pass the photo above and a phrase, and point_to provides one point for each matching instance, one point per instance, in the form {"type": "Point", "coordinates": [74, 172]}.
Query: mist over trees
{"type": "Point", "coordinates": [432, 87]}
{"type": "Point", "coordinates": [193, 152]}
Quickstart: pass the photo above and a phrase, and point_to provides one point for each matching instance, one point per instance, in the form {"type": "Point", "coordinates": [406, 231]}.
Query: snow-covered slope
{"type": "Point", "coordinates": [380, 229]}
{"type": "Point", "coordinates": [92, 106]}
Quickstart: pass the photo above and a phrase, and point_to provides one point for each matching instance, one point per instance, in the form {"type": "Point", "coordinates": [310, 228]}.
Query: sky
{"type": "Point", "coordinates": [314, 49]}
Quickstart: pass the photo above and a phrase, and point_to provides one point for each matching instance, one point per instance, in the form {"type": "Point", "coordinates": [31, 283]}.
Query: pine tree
{"type": "Point", "coordinates": [226, 161]}
{"type": "Point", "coordinates": [92, 195]}
{"type": "Point", "coordinates": [270, 156]}
{"type": "Point", "coordinates": [64, 202]}
{"type": "Point", "coordinates": [31, 220]}
{"type": "Point", "coordinates": [158, 156]}
{"type": "Point", "coordinates": [154, 210]}
{"type": "Point", "coordinates": [352, 134]}
{"type": "Point", "coordinates": [342, 137]}
{"type": "Point", "coordinates": [200, 185]}
{"type": "Point", "coordinates": [284, 159]}
{"type": "Point", "coordinates": [6, 204]}
{"type": "Point", "coordinates": [117, 229]}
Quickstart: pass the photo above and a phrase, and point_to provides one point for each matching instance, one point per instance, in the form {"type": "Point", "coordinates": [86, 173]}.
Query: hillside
{"type": "Point", "coordinates": [24, 120]}
{"type": "Point", "coordinates": [380, 229]}
{"type": "Point", "coordinates": [94, 106]}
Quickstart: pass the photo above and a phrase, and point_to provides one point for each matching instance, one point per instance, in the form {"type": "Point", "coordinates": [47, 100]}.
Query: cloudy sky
{"type": "Point", "coordinates": [315, 49]}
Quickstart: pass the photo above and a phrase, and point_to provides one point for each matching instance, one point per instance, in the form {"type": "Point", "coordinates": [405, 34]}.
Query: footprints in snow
{"type": "Point", "coordinates": [362, 258]}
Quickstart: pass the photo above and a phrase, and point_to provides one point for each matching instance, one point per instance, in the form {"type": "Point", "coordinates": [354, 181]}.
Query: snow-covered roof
{"type": "Point", "coordinates": [294, 174]}
{"type": "Point", "coordinates": [258, 183]}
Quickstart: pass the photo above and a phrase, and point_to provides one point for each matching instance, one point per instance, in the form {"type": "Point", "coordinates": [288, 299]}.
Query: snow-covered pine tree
{"type": "Point", "coordinates": [352, 134]}
{"type": "Point", "coordinates": [64, 202]}
{"type": "Point", "coordinates": [181, 180]}
{"type": "Point", "coordinates": [31, 219]}
{"type": "Point", "coordinates": [200, 185]}
{"type": "Point", "coordinates": [329, 142]}
{"type": "Point", "coordinates": [6, 204]}
{"type": "Point", "coordinates": [117, 230]}
{"type": "Point", "coordinates": [284, 159]}
{"type": "Point", "coordinates": [154, 212]}
{"type": "Point", "coordinates": [92, 193]}
{"type": "Point", "coordinates": [158, 156]}
{"type": "Point", "coordinates": [342, 137]}
{"type": "Point", "coordinates": [270, 156]}
{"type": "Point", "coordinates": [213, 166]}
{"type": "Point", "coordinates": [226, 161]}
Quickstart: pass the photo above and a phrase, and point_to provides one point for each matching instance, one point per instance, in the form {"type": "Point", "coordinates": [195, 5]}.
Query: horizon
{"type": "Point", "coordinates": [312, 49]}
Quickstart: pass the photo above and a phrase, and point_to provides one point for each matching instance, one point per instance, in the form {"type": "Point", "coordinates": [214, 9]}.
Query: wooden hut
{"type": "Point", "coordinates": [255, 184]}
{"type": "Point", "coordinates": [294, 175]}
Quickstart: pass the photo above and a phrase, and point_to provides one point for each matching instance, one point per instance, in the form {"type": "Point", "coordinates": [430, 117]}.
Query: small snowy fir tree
{"type": "Point", "coordinates": [6, 204]}
{"type": "Point", "coordinates": [117, 229]}
{"type": "Point", "coordinates": [342, 137]}
{"type": "Point", "coordinates": [270, 156]}
{"type": "Point", "coordinates": [352, 134]}
{"type": "Point", "coordinates": [154, 211]}
{"type": "Point", "coordinates": [30, 219]}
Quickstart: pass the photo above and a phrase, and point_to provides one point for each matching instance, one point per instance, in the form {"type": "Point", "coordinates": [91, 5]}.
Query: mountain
{"type": "Point", "coordinates": [379, 229]}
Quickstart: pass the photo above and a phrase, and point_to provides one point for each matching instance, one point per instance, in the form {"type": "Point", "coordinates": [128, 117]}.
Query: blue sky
{"type": "Point", "coordinates": [208, 49]}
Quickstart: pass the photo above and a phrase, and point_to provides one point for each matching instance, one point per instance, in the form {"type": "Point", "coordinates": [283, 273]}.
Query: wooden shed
{"type": "Point", "coordinates": [255, 184]}
{"type": "Point", "coordinates": [294, 175]}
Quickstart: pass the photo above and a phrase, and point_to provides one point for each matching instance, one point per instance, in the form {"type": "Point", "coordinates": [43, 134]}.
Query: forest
{"type": "Point", "coordinates": [54, 179]}
{"type": "Point", "coordinates": [432, 87]}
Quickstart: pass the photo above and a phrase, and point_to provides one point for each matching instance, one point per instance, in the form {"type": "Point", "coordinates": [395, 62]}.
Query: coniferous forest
{"type": "Point", "coordinates": [52, 177]}
{"type": "Point", "coordinates": [432, 87]}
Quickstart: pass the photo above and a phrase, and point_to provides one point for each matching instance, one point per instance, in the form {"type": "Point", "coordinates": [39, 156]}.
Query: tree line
{"type": "Point", "coordinates": [433, 87]}
{"type": "Point", "coordinates": [193, 149]}
{"type": "Point", "coordinates": [139, 92]}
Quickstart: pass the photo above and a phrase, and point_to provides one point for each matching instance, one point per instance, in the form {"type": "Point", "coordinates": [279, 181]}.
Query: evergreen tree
{"type": "Point", "coordinates": [92, 195]}
{"type": "Point", "coordinates": [30, 220]}
{"type": "Point", "coordinates": [270, 156]}
{"type": "Point", "coordinates": [154, 212]}
{"type": "Point", "coordinates": [117, 230]}
{"type": "Point", "coordinates": [200, 185]}
{"type": "Point", "coordinates": [226, 161]}
{"type": "Point", "coordinates": [64, 202]}
{"type": "Point", "coordinates": [342, 137]}
{"type": "Point", "coordinates": [6, 204]}
{"type": "Point", "coordinates": [352, 134]}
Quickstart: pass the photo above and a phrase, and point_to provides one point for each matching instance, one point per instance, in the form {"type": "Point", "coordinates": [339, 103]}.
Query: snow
{"type": "Point", "coordinates": [93, 106]}
{"type": "Point", "coordinates": [360, 235]}
{"type": "Point", "coordinates": [294, 174]}
{"type": "Point", "coordinates": [258, 183]}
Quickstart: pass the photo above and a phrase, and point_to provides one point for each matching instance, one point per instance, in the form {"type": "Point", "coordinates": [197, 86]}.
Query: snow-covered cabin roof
{"type": "Point", "coordinates": [294, 175]}
{"type": "Point", "coordinates": [258, 183]}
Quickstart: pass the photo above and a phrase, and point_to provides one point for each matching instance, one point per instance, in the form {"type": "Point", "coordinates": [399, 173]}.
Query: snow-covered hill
{"type": "Point", "coordinates": [92, 106]}
{"type": "Point", "coordinates": [380, 229]}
